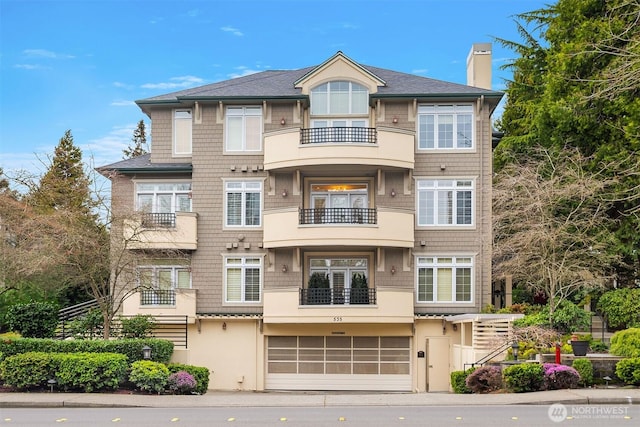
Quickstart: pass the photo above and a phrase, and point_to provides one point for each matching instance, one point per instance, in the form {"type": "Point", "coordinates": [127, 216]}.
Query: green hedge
{"type": "Point", "coordinates": [161, 350]}
{"type": "Point", "coordinates": [90, 371]}
{"type": "Point", "coordinates": [459, 381]}
{"type": "Point", "coordinates": [626, 343]}
{"type": "Point", "coordinates": [628, 370]}
{"type": "Point", "coordinates": [149, 376]}
{"type": "Point", "coordinates": [72, 371]}
{"type": "Point", "coordinates": [27, 370]}
{"type": "Point", "coordinates": [524, 377]}
{"type": "Point", "coordinates": [200, 374]}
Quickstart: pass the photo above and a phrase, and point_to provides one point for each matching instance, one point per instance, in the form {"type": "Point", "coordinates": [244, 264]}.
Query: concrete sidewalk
{"type": "Point", "coordinates": [610, 396]}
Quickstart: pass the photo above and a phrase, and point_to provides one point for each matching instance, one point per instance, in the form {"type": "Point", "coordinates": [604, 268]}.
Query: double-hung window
{"type": "Point", "coordinates": [243, 203]}
{"type": "Point", "coordinates": [445, 202]}
{"type": "Point", "coordinates": [182, 132]}
{"type": "Point", "coordinates": [244, 129]}
{"type": "Point", "coordinates": [158, 283]}
{"type": "Point", "coordinates": [442, 127]}
{"type": "Point", "coordinates": [163, 197]}
{"type": "Point", "coordinates": [444, 279]}
{"type": "Point", "coordinates": [243, 279]}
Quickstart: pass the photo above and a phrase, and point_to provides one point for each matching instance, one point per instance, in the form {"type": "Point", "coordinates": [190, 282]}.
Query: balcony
{"type": "Point", "coordinates": [178, 231]}
{"type": "Point", "coordinates": [381, 227]}
{"type": "Point", "coordinates": [385, 305]}
{"type": "Point", "coordinates": [376, 147]}
{"type": "Point", "coordinates": [162, 302]}
{"type": "Point", "coordinates": [337, 296]}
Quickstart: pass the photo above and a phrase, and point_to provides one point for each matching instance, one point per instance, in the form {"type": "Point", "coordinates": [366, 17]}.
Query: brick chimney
{"type": "Point", "coordinates": [479, 66]}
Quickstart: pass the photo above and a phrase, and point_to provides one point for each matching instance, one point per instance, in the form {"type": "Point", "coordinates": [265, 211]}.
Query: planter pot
{"type": "Point", "coordinates": [580, 348]}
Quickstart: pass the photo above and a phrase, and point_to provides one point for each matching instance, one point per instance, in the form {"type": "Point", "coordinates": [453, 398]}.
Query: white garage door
{"type": "Point", "coordinates": [338, 363]}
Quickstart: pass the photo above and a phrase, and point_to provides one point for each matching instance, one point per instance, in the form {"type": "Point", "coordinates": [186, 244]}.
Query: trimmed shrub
{"type": "Point", "coordinates": [149, 376]}
{"type": "Point", "coordinates": [459, 381]}
{"type": "Point", "coordinates": [161, 350]}
{"type": "Point", "coordinates": [27, 370]}
{"type": "Point", "coordinates": [181, 382]}
{"type": "Point", "coordinates": [36, 319]}
{"type": "Point", "coordinates": [90, 371]}
{"type": "Point", "coordinates": [485, 379]}
{"type": "Point", "coordinates": [621, 307]}
{"type": "Point", "coordinates": [557, 377]}
{"type": "Point", "coordinates": [598, 346]}
{"type": "Point", "coordinates": [138, 326]}
{"type": "Point", "coordinates": [199, 373]}
{"type": "Point", "coordinates": [585, 370]}
{"type": "Point", "coordinates": [626, 343]}
{"type": "Point", "coordinates": [524, 377]}
{"type": "Point", "coordinates": [628, 370]}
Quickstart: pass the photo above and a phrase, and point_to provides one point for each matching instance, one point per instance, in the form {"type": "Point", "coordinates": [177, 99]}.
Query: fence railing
{"type": "Point", "coordinates": [158, 297]}
{"type": "Point", "coordinates": [337, 296]}
{"type": "Point", "coordinates": [338, 216]}
{"type": "Point", "coordinates": [163, 220]}
{"type": "Point", "coordinates": [330, 135]}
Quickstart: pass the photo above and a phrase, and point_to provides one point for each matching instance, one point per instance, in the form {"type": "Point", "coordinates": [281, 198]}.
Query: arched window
{"type": "Point", "coordinates": [339, 98]}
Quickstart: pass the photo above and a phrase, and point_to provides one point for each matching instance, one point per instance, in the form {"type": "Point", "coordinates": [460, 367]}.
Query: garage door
{"type": "Point", "coordinates": [338, 363]}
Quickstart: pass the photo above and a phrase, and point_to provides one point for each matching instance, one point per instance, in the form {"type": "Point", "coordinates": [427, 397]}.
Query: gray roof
{"type": "Point", "coordinates": [142, 164]}
{"type": "Point", "coordinates": [280, 84]}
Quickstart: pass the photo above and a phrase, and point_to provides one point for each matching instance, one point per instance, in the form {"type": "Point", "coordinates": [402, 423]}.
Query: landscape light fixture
{"type": "Point", "coordinates": [146, 352]}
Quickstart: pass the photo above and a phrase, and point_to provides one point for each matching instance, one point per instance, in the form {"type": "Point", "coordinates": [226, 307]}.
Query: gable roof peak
{"type": "Point", "coordinates": [339, 55]}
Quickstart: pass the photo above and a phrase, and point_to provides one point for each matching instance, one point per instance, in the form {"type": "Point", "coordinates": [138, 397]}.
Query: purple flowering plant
{"type": "Point", "coordinates": [558, 376]}
{"type": "Point", "coordinates": [181, 382]}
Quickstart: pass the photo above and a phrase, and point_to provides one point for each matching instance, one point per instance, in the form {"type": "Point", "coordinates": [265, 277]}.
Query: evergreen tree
{"type": "Point", "coordinates": [139, 141]}
{"type": "Point", "coordinates": [560, 97]}
{"type": "Point", "coordinates": [64, 186]}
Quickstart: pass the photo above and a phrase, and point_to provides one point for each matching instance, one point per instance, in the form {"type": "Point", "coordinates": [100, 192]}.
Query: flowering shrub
{"type": "Point", "coordinates": [557, 377]}
{"type": "Point", "coordinates": [485, 379]}
{"type": "Point", "coordinates": [181, 382]}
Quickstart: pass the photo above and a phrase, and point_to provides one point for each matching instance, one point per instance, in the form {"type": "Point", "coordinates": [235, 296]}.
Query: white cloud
{"type": "Point", "coordinates": [108, 149]}
{"type": "Point", "coordinates": [123, 85]}
{"type": "Point", "coordinates": [43, 53]}
{"type": "Point", "coordinates": [182, 82]}
{"type": "Point", "coordinates": [122, 103]}
{"type": "Point", "coordinates": [234, 31]}
{"type": "Point", "coordinates": [243, 71]}
{"type": "Point", "coordinates": [31, 67]}
{"type": "Point", "coordinates": [420, 71]}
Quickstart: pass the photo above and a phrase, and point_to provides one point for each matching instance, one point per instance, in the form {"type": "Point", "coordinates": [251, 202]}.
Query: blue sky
{"type": "Point", "coordinates": [81, 64]}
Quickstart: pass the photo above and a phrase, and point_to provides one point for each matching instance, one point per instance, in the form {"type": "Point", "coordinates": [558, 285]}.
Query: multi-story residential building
{"type": "Point", "coordinates": [333, 225]}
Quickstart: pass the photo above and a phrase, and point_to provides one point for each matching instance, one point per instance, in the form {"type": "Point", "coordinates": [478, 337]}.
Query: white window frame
{"type": "Point", "coordinates": [159, 189]}
{"type": "Point", "coordinates": [462, 117]}
{"type": "Point", "coordinates": [243, 264]}
{"type": "Point", "coordinates": [182, 122]}
{"type": "Point", "coordinates": [243, 187]}
{"type": "Point", "coordinates": [431, 196]}
{"type": "Point", "coordinates": [244, 114]}
{"type": "Point", "coordinates": [439, 264]}
{"type": "Point", "coordinates": [155, 279]}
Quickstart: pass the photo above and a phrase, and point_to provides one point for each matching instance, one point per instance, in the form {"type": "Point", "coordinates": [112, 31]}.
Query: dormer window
{"type": "Point", "coordinates": [339, 98]}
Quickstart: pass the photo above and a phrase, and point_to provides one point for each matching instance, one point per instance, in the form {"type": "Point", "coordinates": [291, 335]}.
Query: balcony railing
{"type": "Point", "coordinates": [163, 220]}
{"type": "Point", "coordinates": [337, 296]}
{"type": "Point", "coordinates": [158, 297]}
{"type": "Point", "coordinates": [338, 135]}
{"type": "Point", "coordinates": [338, 216]}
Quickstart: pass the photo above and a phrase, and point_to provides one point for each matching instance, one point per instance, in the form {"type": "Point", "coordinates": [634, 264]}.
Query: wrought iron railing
{"type": "Point", "coordinates": [338, 135]}
{"type": "Point", "coordinates": [339, 216]}
{"type": "Point", "coordinates": [158, 297]}
{"type": "Point", "coordinates": [337, 296]}
{"type": "Point", "coordinates": [164, 220]}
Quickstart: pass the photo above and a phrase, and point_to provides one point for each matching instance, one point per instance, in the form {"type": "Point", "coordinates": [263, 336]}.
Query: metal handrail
{"type": "Point", "coordinates": [338, 216]}
{"type": "Point", "coordinates": [329, 135]}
